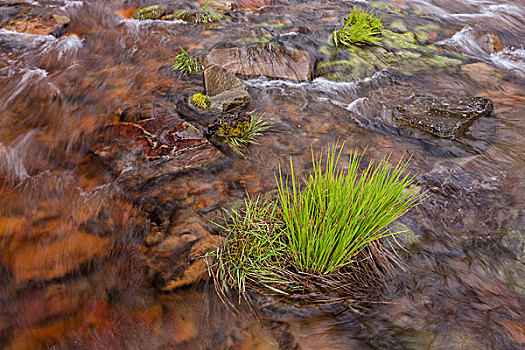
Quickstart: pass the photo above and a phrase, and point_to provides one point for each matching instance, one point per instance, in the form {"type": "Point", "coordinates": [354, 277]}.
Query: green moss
{"type": "Point", "coordinates": [234, 129]}
{"type": "Point", "coordinates": [398, 25]}
{"type": "Point", "coordinates": [150, 12]}
{"type": "Point", "coordinates": [199, 100]}
{"type": "Point", "coordinates": [384, 6]}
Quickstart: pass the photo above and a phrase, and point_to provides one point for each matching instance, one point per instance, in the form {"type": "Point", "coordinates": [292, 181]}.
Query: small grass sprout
{"type": "Point", "coordinates": [257, 127]}
{"type": "Point", "coordinates": [208, 15]}
{"type": "Point", "coordinates": [199, 100]}
{"type": "Point", "coordinates": [359, 28]}
{"type": "Point", "coordinates": [187, 64]}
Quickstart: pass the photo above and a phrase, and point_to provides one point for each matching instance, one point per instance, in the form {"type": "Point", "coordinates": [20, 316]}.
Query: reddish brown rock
{"type": "Point", "coordinates": [490, 43]}
{"type": "Point", "coordinates": [178, 261]}
{"type": "Point", "coordinates": [43, 260]}
{"type": "Point", "coordinates": [43, 25]}
{"type": "Point", "coordinates": [482, 73]}
{"type": "Point", "coordinates": [166, 143]}
{"type": "Point", "coordinates": [277, 63]}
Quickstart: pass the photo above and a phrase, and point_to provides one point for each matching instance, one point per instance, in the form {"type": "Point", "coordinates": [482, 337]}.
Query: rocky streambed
{"type": "Point", "coordinates": [110, 180]}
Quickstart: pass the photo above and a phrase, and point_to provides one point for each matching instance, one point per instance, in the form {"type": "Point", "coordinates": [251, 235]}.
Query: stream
{"type": "Point", "coordinates": [99, 244]}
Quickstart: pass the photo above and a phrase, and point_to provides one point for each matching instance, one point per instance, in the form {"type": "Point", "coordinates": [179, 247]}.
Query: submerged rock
{"type": "Point", "coordinates": [32, 260]}
{"type": "Point", "coordinates": [167, 142]}
{"type": "Point", "coordinates": [178, 262]}
{"type": "Point", "coordinates": [40, 25]}
{"type": "Point", "coordinates": [482, 73]}
{"type": "Point", "coordinates": [267, 61]}
{"type": "Point", "coordinates": [150, 12]}
{"type": "Point", "coordinates": [444, 118]}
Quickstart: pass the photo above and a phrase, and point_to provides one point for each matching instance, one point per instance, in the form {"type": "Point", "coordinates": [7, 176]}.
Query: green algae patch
{"type": "Point", "coordinates": [150, 12]}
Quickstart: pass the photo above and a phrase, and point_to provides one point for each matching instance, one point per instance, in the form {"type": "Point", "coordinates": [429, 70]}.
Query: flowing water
{"type": "Point", "coordinates": [76, 270]}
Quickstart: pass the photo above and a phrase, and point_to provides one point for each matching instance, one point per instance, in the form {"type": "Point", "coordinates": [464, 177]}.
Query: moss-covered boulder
{"type": "Point", "coordinates": [401, 51]}
{"type": "Point", "coordinates": [150, 12]}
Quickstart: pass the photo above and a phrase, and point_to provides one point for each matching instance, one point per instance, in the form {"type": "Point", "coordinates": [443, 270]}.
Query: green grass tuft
{"type": "Point", "coordinates": [338, 213]}
{"type": "Point", "coordinates": [187, 64]}
{"type": "Point", "coordinates": [359, 28]}
{"type": "Point", "coordinates": [319, 235]}
{"type": "Point", "coordinates": [199, 100]}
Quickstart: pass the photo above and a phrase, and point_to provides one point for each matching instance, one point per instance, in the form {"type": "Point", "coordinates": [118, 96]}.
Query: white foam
{"type": "Point", "coordinates": [12, 158]}
{"type": "Point", "coordinates": [63, 46]}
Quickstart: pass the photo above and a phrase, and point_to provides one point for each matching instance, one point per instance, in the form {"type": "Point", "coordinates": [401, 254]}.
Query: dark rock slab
{"type": "Point", "coordinates": [276, 63]}
{"type": "Point", "coordinates": [166, 143]}
{"type": "Point", "coordinates": [441, 117]}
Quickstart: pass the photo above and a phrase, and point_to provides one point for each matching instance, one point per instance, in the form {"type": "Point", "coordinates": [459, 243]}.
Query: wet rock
{"type": "Point", "coordinates": [482, 73]}
{"type": "Point", "coordinates": [178, 261]}
{"type": "Point", "coordinates": [39, 25]}
{"type": "Point", "coordinates": [166, 143]}
{"type": "Point", "coordinates": [490, 43]}
{"type": "Point", "coordinates": [218, 80]}
{"type": "Point", "coordinates": [150, 12]}
{"type": "Point", "coordinates": [229, 100]}
{"type": "Point", "coordinates": [276, 63]}
{"type": "Point", "coordinates": [444, 118]}
{"type": "Point", "coordinates": [43, 260]}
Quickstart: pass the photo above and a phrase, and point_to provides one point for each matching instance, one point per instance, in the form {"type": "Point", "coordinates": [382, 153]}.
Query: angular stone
{"type": "Point", "coordinates": [279, 63]}
{"type": "Point", "coordinates": [444, 118]}
{"type": "Point", "coordinates": [218, 80]}
{"type": "Point", "coordinates": [40, 25]}
{"type": "Point", "coordinates": [166, 142]}
{"type": "Point", "coordinates": [229, 100]}
{"type": "Point", "coordinates": [490, 43]}
{"type": "Point", "coordinates": [40, 260]}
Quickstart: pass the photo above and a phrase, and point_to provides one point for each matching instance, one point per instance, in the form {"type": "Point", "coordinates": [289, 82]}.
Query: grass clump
{"type": "Point", "coordinates": [199, 100]}
{"type": "Point", "coordinates": [359, 28]}
{"type": "Point", "coordinates": [208, 15]}
{"type": "Point", "coordinates": [187, 64]}
{"type": "Point", "coordinates": [320, 234]}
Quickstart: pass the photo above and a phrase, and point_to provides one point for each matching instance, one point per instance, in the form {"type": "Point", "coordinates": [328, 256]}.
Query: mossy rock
{"type": "Point", "coordinates": [150, 12]}
{"type": "Point", "coordinates": [231, 125]}
{"type": "Point", "coordinates": [398, 50]}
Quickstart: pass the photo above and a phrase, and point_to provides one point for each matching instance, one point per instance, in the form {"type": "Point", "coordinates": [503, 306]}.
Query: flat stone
{"type": "Point", "coordinates": [218, 80]}
{"type": "Point", "coordinates": [278, 63]}
{"type": "Point", "coordinates": [39, 25]}
{"type": "Point", "coordinates": [228, 101]}
{"type": "Point", "coordinates": [167, 143]}
{"type": "Point", "coordinates": [444, 118]}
